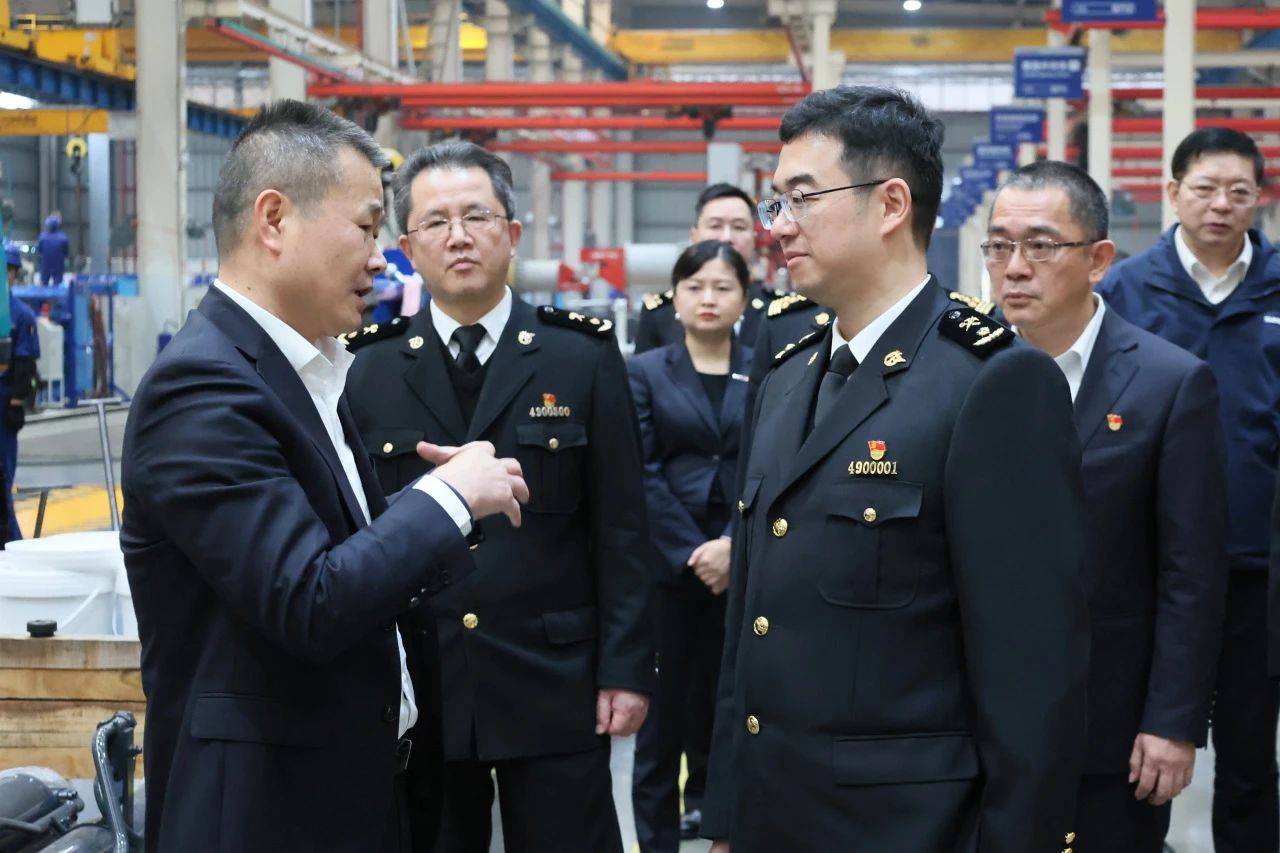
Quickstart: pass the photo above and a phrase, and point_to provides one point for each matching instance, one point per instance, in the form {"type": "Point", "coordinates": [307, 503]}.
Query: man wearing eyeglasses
{"type": "Point", "coordinates": [1211, 285]}
{"type": "Point", "coordinates": [906, 644]}
{"type": "Point", "coordinates": [1147, 415]}
{"type": "Point", "coordinates": [546, 648]}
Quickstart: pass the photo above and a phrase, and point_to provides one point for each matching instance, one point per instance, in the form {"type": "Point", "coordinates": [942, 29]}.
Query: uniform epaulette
{"type": "Point", "coordinates": [373, 333]}
{"type": "Point", "coordinates": [974, 331]}
{"type": "Point", "coordinates": [574, 320]}
{"type": "Point", "coordinates": [783, 304]}
{"type": "Point", "coordinates": [767, 295]}
{"type": "Point", "coordinates": [790, 349]}
{"type": "Point", "coordinates": [982, 306]}
{"type": "Point", "coordinates": [657, 300]}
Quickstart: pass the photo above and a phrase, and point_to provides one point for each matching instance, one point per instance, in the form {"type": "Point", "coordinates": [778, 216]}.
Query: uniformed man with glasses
{"type": "Point", "coordinates": [906, 648]}
{"type": "Point", "coordinates": [546, 649]}
{"type": "Point", "coordinates": [1211, 285]}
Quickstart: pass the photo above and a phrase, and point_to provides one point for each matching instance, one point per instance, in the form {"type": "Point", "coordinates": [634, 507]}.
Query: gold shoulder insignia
{"type": "Point", "coordinates": [791, 349]}
{"type": "Point", "coordinates": [982, 306]}
{"type": "Point", "coordinates": [375, 332]}
{"type": "Point", "coordinates": [974, 330]}
{"type": "Point", "coordinates": [657, 300]}
{"type": "Point", "coordinates": [575, 320]}
{"type": "Point", "coordinates": [788, 302]}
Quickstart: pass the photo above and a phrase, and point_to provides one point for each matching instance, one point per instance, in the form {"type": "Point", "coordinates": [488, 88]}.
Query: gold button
{"type": "Point", "coordinates": [780, 527]}
{"type": "Point", "coordinates": [388, 447]}
{"type": "Point", "coordinates": [869, 515]}
{"type": "Point", "coordinates": [554, 443]}
{"type": "Point", "coordinates": [760, 626]}
{"type": "Point", "coordinates": [470, 621]}
{"type": "Point", "coordinates": [1071, 836]}
{"type": "Point", "coordinates": [741, 506]}
{"type": "Point", "coordinates": [753, 725]}
{"type": "Point", "coordinates": [1066, 850]}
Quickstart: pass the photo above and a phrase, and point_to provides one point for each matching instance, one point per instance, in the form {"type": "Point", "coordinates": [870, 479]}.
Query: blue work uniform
{"type": "Point", "coordinates": [53, 246]}
{"type": "Point", "coordinates": [17, 382]}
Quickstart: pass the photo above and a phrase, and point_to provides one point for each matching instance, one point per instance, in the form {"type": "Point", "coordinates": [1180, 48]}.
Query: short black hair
{"type": "Point", "coordinates": [1087, 200]}
{"type": "Point", "coordinates": [886, 133]}
{"type": "Point", "coordinates": [452, 154]}
{"type": "Point", "coordinates": [288, 146]}
{"type": "Point", "coordinates": [699, 254]}
{"type": "Point", "coordinates": [722, 190]}
{"type": "Point", "coordinates": [1216, 140]}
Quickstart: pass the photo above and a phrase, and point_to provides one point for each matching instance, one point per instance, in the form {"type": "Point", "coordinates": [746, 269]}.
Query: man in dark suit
{"type": "Point", "coordinates": [723, 212]}
{"type": "Point", "coordinates": [267, 569]}
{"type": "Point", "coordinates": [896, 676]}
{"type": "Point", "coordinates": [539, 665]}
{"type": "Point", "coordinates": [1155, 497]}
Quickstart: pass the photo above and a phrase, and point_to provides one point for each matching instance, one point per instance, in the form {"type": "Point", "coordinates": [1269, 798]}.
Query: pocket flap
{"type": "Point", "coordinates": [897, 760]}
{"type": "Point", "coordinates": [873, 502]}
{"type": "Point", "coordinates": [570, 626]}
{"type": "Point", "coordinates": [385, 443]}
{"type": "Point", "coordinates": [256, 719]}
{"type": "Point", "coordinates": [553, 437]}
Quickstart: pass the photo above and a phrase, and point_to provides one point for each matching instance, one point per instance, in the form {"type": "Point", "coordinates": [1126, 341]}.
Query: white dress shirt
{"type": "Point", "coordinates": [1215, 289]}
{"type": "Point", "coordinates": [494, 322]}
{"type": "Point", "coordinates": [322, 366]}
{"type": "Point", "coordinates": [862, 342]}
{"type": "Point", "coordinates": [1075, 361]}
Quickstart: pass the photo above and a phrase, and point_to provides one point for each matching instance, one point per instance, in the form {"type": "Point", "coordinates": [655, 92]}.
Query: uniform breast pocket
{"type": "Point", "coordinates": [864, 568]}
{"type": "Point", "coordinates": [395, 456]}
{"type": "Point", "coordinates": [551, 456]}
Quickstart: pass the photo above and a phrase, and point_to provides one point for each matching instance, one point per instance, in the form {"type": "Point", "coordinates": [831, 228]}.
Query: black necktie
{"type": "Point", "coordinates": [468, 339]}
{"type": "Point", "coordinates": [839, 369]}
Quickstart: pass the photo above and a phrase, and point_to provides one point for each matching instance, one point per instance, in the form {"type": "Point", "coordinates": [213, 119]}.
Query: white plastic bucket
{"type": "Point", "coordinates": [126, 621]}
{"type": "Point", "coordinates": [97, 553]}
{"type": "Point", "coordinates": [80, 602]}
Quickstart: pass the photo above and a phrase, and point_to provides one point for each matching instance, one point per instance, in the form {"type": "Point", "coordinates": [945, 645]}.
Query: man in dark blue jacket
{"type": "Point", "coordinates": [1147, 415]}
{"type": "Point", "coordinates": [1211, 285]}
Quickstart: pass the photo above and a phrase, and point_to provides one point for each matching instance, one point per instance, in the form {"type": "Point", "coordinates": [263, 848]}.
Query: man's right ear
{"type": "Point", "coordinates": [270, 211]}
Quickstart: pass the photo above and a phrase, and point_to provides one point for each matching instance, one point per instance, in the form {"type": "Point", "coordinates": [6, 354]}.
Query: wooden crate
{"type": "Point", "coordinates": [55, 691]}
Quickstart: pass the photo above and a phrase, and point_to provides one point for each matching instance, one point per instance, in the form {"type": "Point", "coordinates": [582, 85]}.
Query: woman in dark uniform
{"type": "Point", "coordinates": [690, 397]}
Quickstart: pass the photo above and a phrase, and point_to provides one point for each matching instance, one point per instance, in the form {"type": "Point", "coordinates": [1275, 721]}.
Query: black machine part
{"type": "Point", "coordinates": [34, 811]}
{"type": "Point", "coordinates": [89, 838]}
{"type": "Point", "coordinates": [42, 628]}
{"type": "Point", "coordinates": [113, 759]}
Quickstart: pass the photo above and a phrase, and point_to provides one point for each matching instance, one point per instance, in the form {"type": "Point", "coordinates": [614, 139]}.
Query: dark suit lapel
{"type": "Point", "coordinates": [1111, 369]}
{"type": "Point", "coordinates": [509, 368]}
{"type": "Point", "coordinates": [428, 377]}
{"type": "Point", "coordinates": [682, 375]}
{"type": "Point", "coordinates": [373, 496]}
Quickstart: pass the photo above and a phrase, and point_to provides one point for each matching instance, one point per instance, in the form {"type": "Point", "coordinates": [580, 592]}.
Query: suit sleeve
{"type": "Point", "coordinates": [674, 532]}
{"type": "Point", "coordinates": [615, 495]}
{"type": "Point", "coordinates": [1273, 587]}
{"type": "Point", "coordinates": [1013, 508]}
{"type": "Point", "coordinates": [1191, 580]}
{"type": "Point", "coordinates": [205, 463]}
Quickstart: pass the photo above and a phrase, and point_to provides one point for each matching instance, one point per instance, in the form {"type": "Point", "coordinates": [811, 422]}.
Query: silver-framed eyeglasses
{"type": "Point", "coordinates": [473, 222]}
{"type": "Point", "coordinates": [796, 205]}
{"type": "Point", "coordinates": [1240, 195]}
{"type": "Point", "coordinates": [1038, 250]}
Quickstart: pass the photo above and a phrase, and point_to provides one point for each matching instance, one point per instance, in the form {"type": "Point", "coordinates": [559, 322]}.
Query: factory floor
{"type": "Point", "coordinates": [63, 452]}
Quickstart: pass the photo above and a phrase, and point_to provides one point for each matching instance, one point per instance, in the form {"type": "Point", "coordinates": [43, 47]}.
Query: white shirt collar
{"type": "Point", "coordinates": [1075, 361]}
{"type": "Point", "coordinates": [1215, 289]}
{"type": "Point", "coordinates": [299, 351]}
{"type": "Point", "coordinates": [494, 322]}
{"type": "Point", "coordinates": [862, 342]}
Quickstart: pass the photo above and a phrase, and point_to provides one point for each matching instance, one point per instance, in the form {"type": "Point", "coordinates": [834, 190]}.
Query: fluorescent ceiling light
{"type": "Point", "coordinates": [10, 101]}
{"type": "Point", "coordinates": [715, 4]}
{"type": "Point", "coordinates": [911, 5]}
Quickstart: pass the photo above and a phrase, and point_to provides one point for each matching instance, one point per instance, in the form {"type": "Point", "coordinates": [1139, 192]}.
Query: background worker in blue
{"type": "Point", "coordinates": [547, 649]}
{"type": "Point", "coordinates": [1211, 285]}
{"type": "Point", "coordinates": [1155, 500]}
{"type": "Point", "coordinates": [17, 383]}
{"type": "Point", "coordinates": [906, 646]}
{"type": "Point", "coordinates": [690, 398]}
{"type": "Point", "coordinates": [53, 246]}
{"type": "Point", "coordinates": [723, 212]}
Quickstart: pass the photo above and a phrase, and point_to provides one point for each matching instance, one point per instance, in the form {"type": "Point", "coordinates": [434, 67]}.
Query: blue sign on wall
{"type": "Point", "coordinates": [994, 155]}
{"type": "Point", "coordinates": [1017, 124]}
{"type": "Point", "coordinates": [1108, 10]}
{"type": "Point", "coordinates": [978, 176]}
{"type": "Point", "coordinates": [1048, 72]}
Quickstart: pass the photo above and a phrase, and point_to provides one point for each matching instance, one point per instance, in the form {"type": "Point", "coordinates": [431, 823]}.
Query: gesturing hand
{"type": "Point", "coordinates": [489, 485]}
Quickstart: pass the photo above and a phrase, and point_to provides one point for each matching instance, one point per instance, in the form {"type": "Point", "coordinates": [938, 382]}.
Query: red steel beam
{"type": "Point", "coordinates": [1206, 19]}
{"type": "Point", "coordinates": [1158, 172]}
{"type": "Point", "coordinates": [266, 46]}
{"type": "Point", "coordinates": [763, 123]}
{"type": "Point", "coordinates": [1153, 125]}
{"type": "Point", "coordinates": [1221, 93]}
{"type": "Point", "coordinates": [1148, 152]}
{"type": "Point", "coordinates": [595, 102]}
{"type": "Point", "coordinates": [533, 93]}
{"type": "Point", "coordinates": [634, 177]}
{"type": "Point", "coordinates": [604, 146]}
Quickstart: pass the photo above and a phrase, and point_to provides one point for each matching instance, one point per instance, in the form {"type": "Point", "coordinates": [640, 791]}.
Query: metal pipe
{"type": "Point", "coordinates": [763, 123]}
{"type": "Point", "coordinates": [609, 146]}
{"type": "Point", "coordinates": [634, 177]}
{"type": "Point", "coordinates": [533, 92]}
{"type": "Point", "coordinates": [1100, 109]}
{"type": "Point", "coordinates": [604, 102]}
{"type": "Point", "coordinates": [237, 33]}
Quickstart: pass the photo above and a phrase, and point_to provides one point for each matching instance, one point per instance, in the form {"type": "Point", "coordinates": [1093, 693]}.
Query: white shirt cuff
{"type": "Point", "coordinates": [448, 500]}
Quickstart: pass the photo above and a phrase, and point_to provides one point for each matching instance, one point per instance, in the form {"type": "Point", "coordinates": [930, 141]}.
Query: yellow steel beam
{"type": "Point", "coordinates": [669, 47]}
{"type": "Point", "coordinates": [53, 122]}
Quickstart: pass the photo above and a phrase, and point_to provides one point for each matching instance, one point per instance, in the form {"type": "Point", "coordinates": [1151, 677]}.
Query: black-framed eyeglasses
{"type": "Point", "coordinates": [473, 222]}
{"type": "Point", "coordinates": [1035, 249]}
{"type": "Point", "coordinates": [796, 205]}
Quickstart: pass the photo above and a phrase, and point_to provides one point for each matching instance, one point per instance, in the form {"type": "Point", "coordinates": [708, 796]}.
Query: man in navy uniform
{"type": "Point", "coordinates": [907, 643]}
{"type": "Point", "coordinates": [1211, 285]}
{"type": "Point", "coordinates": [542, 664]}
{"type": "Point", "coordinates": [723, 212]}
{"type": "Point", "coordinates": [1147, 415]}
